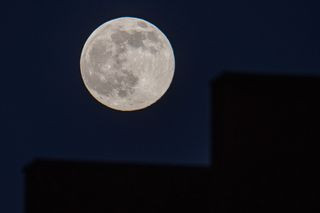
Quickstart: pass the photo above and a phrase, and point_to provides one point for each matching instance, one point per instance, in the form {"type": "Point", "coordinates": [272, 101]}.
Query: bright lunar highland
{"type": "Point", "coordinates": [127, 64]}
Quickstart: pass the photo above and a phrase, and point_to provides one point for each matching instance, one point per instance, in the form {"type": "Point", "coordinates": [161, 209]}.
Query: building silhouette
{"type": "Point", "coordinates": [61, 186]}
{"type": "Point", "coordinates": [265, 143]}
{"type": "Point", "coordinates": [265, 133]}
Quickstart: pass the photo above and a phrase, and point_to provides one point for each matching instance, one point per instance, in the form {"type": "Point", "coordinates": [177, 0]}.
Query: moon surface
{"type": "Point", "coordinates": [127, 64]}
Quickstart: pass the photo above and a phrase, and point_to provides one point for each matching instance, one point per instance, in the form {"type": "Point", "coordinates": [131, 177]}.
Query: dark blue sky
{"type": "Point", "coordinates": [47, 112]}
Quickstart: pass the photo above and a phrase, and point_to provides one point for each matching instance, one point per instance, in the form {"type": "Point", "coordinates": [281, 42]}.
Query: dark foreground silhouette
{"type": "Point", "coordinates": [58, 186]}
{"type": "Point", "coordinates": [264, 159]}
{"type": "Point", "coordinates": [265, 143]}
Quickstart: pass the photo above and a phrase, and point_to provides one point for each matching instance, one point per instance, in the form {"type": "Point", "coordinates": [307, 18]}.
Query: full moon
{"type": "Point", "coordinates": [127, 64]}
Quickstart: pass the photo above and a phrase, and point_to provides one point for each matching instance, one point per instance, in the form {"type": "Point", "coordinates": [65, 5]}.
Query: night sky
{"type": "Point", "coordinates": [46, 111]}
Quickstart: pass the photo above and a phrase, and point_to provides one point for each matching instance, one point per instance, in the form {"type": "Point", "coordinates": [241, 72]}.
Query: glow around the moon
{"type": "Point", "coordinates": [127, 64]}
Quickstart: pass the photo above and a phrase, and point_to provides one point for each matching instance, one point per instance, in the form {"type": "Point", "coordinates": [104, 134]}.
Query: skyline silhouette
{"type": "Point", "coordinates": [263, 136]}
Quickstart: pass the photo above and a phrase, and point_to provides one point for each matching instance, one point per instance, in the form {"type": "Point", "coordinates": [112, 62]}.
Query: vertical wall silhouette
{"type": "Point", "coordinates": [265, 142]}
